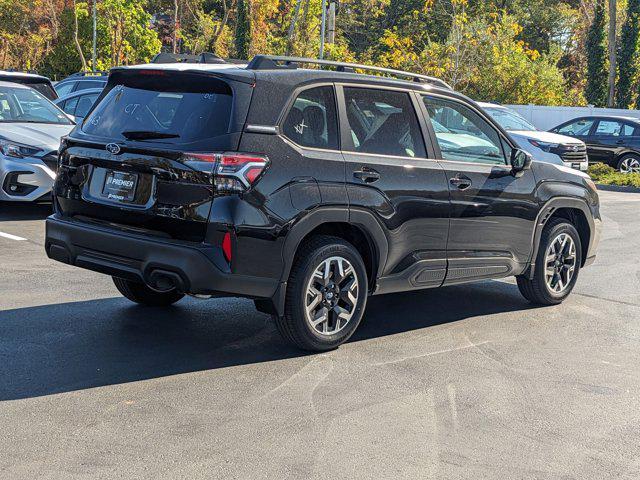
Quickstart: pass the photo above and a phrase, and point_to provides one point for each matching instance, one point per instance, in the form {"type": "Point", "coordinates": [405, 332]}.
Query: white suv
{"type": "Point", "coordinates": [544, 146]}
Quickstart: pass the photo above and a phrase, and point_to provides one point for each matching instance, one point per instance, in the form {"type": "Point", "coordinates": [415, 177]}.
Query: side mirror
{"type": "Point", "coordinates": [520, 160]}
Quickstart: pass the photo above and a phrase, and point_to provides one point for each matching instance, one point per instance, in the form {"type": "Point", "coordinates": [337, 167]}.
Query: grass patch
{"type": "Point", "coordinates": [606, 175]}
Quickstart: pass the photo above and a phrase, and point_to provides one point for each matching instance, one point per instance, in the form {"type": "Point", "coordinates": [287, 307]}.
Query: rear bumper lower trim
{"type": "Point", "coordinates": [136, 257]}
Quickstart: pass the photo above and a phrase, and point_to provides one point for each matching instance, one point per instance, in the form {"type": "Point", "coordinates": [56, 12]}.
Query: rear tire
{"type": "Point", "coordinates": [140, 293]}
{"type": "Point", "coordinates": [557, 265]}
{"type": "Point", "coordinates": [326, 295]}
{"type": "Point", "coordinates": [629, 163]}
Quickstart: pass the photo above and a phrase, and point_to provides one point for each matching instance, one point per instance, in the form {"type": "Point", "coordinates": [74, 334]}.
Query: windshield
{"type": "Point", "coordinates": [25, 105]}
{"type": "Point", "coordinates": [509, 120]}
{"type": "Point", "coordinates": [161, 114]}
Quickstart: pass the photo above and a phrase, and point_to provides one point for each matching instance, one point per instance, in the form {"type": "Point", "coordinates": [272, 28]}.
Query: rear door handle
{"type": "Point", "coordinates": [367, 175]}
{"type": "Point", "coordinates": [462, 182]}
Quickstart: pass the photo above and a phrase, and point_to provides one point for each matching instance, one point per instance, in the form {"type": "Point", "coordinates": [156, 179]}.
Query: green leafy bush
{"type": "Point", "coordinates": [606, 175]}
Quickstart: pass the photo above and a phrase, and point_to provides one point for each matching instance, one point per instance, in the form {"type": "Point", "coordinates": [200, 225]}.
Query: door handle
{"type": "Point", "coordinates": [620, 142]}
{"type": "Point", "coordinates": [367, 175]}
{"type": "Point", "coordinates": [462, 182]}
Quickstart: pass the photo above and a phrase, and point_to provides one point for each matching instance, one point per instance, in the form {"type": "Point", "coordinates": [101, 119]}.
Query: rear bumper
{"type": "Point", "coordinates": [192, 268]}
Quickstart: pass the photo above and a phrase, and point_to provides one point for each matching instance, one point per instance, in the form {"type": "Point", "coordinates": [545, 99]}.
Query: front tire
{"type": "Point", "coordinates": [326, 295]}
{"type": "Point", "coordinates": [557, 265]}
{"type": "Point", "coordinates": [140, 293]}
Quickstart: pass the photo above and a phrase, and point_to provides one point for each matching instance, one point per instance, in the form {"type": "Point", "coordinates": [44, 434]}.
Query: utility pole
{"type": "Point", "coordinates": [175, 26]}
{"type": "Point", "coordinates": [331, 21]}
{"type": "Point", "coordinates": [95, 36]}
{"type": "Point", "coordinates": [323, 25]}
{"type": "Point", "coordinates": [612, 54]}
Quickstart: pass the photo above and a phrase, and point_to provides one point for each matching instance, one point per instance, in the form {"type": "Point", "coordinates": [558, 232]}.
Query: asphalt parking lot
{"type": "Point", "coordinates": [466, 382]}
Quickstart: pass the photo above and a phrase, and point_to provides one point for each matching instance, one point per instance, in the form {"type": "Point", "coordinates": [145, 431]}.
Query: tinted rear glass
{"type": "Point", "coordinates": [191, 107]}
{"type": "Point", "coordinates": [45, 89]}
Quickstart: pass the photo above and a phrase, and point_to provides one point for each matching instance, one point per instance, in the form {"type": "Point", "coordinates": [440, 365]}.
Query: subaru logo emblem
{"type": "Point", "coordinates": [113, 148]}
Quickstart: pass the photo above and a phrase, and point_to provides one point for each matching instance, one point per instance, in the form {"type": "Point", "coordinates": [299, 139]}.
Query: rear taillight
{"type": "Point", "coordinates": [234, 172]}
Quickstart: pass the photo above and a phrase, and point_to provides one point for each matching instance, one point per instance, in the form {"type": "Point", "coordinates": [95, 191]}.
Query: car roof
{"type": "Point", "coordinates": [78, 93]}
{"type": "Point", "coordinates": [34, 76]}
{"type": "Point", "coordinates": [604, 117]}
{"type": "Point", "coordinates": [290, 78]}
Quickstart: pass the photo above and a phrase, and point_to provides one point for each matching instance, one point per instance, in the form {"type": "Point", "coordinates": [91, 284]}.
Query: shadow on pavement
{"type": "Point", "coordinates": [24, 211]}
{"type": "Point", "coordinates": [74, 346]}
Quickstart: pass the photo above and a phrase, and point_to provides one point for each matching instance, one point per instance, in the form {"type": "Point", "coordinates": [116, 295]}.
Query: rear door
{"type": "Point", "coordinates": [144, 157]}
{"type": "Point", "coordinates": [492, 211]}
{"type": "Point", "coordinates": [392, 173]}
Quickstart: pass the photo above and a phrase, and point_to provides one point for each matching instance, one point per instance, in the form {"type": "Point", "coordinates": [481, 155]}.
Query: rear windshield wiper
{"type": "Point", "coordinates": [144, 135]}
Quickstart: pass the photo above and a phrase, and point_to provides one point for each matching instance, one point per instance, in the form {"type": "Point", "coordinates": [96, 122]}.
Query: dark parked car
{"type": "Point", "coordinates": [33, 80]}
{"type": "Point", "coordinates": [79, 103]}
{"type": "Point", "coordinates": [81, 81]}
{"type": "Point", "coordinates": [308, 190]}
{"type": "Point", "coordinates": [611, 140]}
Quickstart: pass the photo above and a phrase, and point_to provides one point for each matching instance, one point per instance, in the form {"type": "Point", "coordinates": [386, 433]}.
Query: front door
{"type": "Point", "coordinates": [393, 174]}
{"type": "Point", "coordinates": [492, 211]}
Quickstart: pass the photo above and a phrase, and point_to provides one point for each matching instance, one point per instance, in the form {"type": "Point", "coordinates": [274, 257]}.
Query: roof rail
{"type": "Point", "coordinates": [274, 62]}
{"type": "Point", "coordinates": [206, 57]}
{"type": "Point", "coordinates": [89, 73]}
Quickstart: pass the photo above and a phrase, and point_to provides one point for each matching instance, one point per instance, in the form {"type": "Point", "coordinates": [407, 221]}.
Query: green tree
{"type": "Point", "coordinates": [243, 30]}
{"type": "Point", "coordinates": [627, 63]}
{"type": "Point", "coordinates": [596, 52]}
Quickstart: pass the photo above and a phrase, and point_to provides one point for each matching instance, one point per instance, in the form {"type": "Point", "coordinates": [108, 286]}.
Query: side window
{"type": "Point", "coordinates": [579, 128]}
{"type": "Point", "coordinates": [84, 104]}
{"type": "Point", "coordinates": [383, 122]}
{"type": "Point", "coordinates": [627, 130]}
{"type": "Point", "coordinates": [64, 88]}
{"type": "Point", "coordinates": [462, 134]}
{"type": "Point", "coordinates": [312, 122]}
{"type": "Point", "coordinates": [84, 84]}
{"type": "Point", "coordinates": [608, 127]}
{"type": "Point", "coordinates": [70, 106]}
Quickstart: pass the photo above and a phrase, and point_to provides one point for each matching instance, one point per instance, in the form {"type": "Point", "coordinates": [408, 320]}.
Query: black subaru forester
{"type": "Point", "coordinates": [307, 190]}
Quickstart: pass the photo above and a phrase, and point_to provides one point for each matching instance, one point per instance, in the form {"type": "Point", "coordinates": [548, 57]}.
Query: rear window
{"type": "Point", "coordinates": [45, 89]}
{"type": "Point", "coordinates": [178, 108]}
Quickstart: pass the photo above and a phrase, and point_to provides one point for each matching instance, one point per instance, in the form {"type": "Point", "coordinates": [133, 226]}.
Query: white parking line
{"type": "Point", "coordinates": [11, 237]}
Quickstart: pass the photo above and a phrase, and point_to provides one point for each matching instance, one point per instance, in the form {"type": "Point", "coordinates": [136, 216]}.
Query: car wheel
{"type": "Point", "coordinates": [557, 265]}
{"type": "Point", "coordinates": [629, 164]}
{"type": "Point", "coordinates": [326, 295]}
{"type": "Point", "coordinates": [140, 293]}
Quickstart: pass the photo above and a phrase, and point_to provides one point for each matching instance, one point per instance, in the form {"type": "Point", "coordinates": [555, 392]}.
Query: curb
{"type": "Point", "coordinates": [617, 188]}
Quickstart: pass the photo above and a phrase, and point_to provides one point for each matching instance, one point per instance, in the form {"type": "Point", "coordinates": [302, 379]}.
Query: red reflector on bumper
{"type": "Point", "coordinates": [226, 246]}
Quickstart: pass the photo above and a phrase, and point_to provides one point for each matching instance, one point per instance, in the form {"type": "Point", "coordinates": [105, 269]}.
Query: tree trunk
{"type": "Point", "coordinates": [75, 38]}
{"type": "Point", "coordinates": [612, 53]}
{"type": "Point", "coordinates": [292, 27]}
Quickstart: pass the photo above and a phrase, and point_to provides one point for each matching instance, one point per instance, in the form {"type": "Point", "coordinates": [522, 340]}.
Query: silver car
{"type": "Point", "coordinates": [30, 131]}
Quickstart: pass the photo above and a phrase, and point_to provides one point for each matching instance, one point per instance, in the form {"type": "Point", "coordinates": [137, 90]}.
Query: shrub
{"type": "Point", "coordinates": [606, 175]}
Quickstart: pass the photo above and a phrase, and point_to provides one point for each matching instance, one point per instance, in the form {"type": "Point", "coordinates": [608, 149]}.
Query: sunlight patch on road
{"type": "Point", "coordinates": [11, 237]}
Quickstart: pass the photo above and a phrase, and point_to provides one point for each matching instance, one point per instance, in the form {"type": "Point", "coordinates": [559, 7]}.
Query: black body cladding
{"type": "Point", "coordinates": [370, 168]}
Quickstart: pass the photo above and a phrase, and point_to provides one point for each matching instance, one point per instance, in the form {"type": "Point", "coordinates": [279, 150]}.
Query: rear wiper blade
{"type": "Point", "coordinates": [143, 135]}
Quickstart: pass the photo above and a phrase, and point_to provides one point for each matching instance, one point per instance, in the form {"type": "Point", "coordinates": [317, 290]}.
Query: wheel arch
{"type": "Point", "coordinates": [574, 210]}
{"type": "Point", "coordinates": [359, 227]}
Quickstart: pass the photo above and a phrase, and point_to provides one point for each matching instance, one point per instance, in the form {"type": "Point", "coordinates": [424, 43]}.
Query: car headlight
{"type": "Point", "coordinates": [17, 150]}
{"type": "Point", "coordinates": [544, 146]}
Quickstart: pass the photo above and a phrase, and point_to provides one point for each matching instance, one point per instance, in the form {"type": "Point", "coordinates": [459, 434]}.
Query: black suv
{"type": "Point", "coordinates": [308, 190]}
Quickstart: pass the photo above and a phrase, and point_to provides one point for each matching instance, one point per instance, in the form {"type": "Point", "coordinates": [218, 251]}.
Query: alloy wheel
{"type": "Point", "coordinates": [630, 165]}
{"type": "Point", "coordinates": [560, 263]}
{"type": "Point", "coordinates": [331, 296]}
